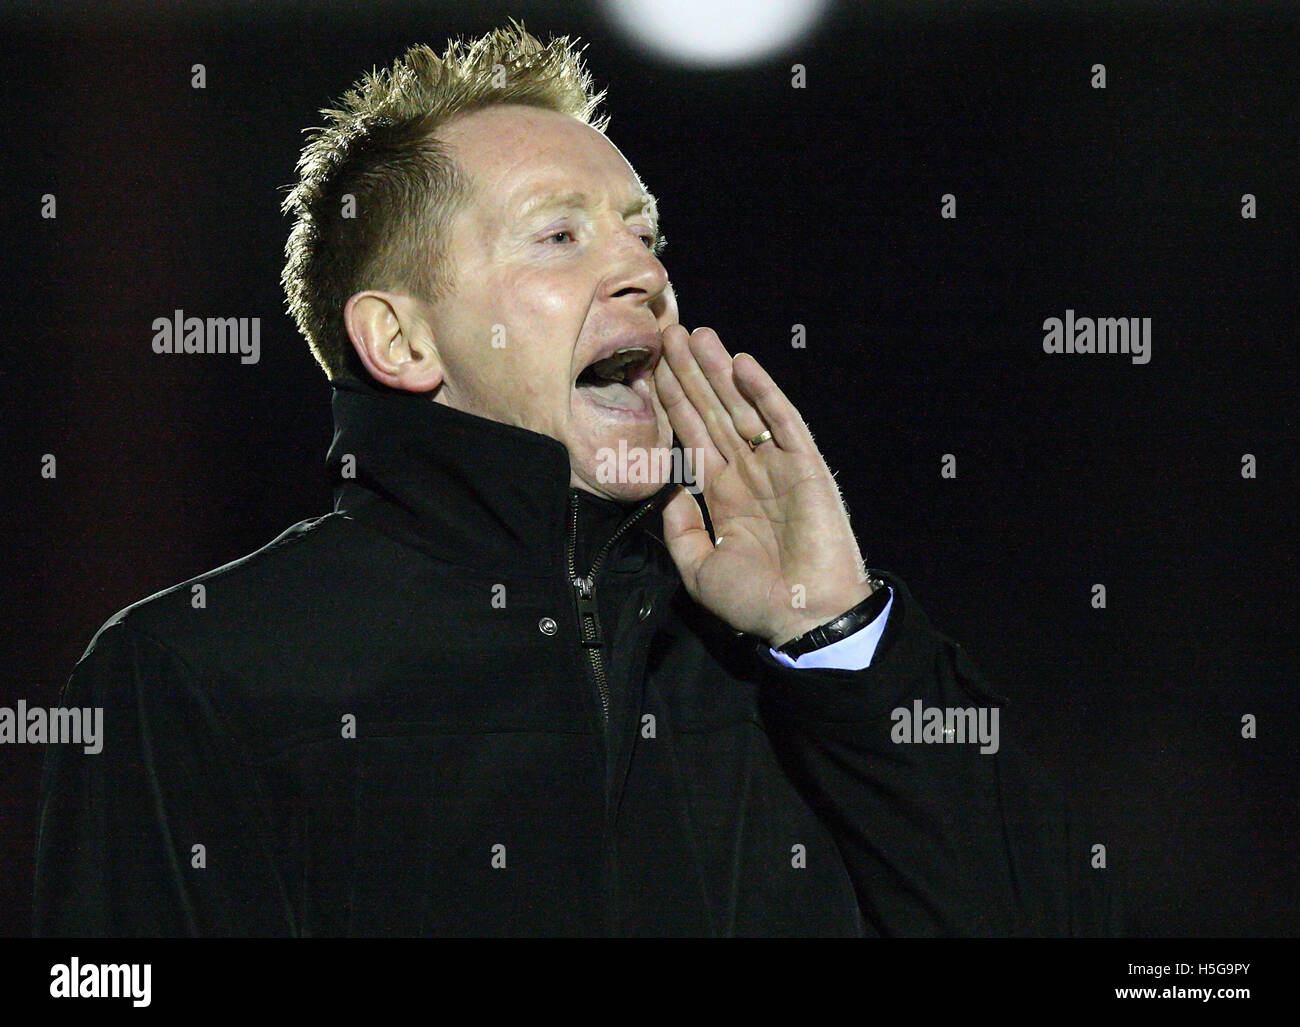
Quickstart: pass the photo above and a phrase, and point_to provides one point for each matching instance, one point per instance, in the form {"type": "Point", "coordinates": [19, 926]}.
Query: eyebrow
{"type": "Point", "coordinates": [645, 203]}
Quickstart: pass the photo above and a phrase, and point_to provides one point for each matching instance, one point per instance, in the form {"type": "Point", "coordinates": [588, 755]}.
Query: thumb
{"type": "Point", "coordinates": [685, 535]}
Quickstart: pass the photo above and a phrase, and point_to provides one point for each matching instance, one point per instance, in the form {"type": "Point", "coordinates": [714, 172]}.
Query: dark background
{"type": "Point", "coordinates": [817, 206]}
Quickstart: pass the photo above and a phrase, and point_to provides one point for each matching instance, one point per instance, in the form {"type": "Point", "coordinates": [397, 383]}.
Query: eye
{"type": "Point", "coordinates": [554, 235]}
{"type": "Point", "coordinates": [649, 241]}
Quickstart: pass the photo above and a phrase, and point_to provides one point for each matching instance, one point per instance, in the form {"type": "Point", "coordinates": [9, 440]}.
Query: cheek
{"type": "Point", "coordinates": [533, 393]}
{"type": "Point", "coordinates": [541, 316]}
{"type": "Point", "coordinates": [559, 301]}
{"type": "Point", "coordinates": [548, 329]}
{"type": "Point", "coordinates": [543, 387]}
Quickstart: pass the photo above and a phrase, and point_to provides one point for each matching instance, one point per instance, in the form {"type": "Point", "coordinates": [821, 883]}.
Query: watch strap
{"type": "Point", "coordinates": [842, 626]}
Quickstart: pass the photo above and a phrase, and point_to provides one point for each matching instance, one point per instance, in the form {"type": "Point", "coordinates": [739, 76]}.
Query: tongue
{"type": "Point", "coordinates": [614, 394]}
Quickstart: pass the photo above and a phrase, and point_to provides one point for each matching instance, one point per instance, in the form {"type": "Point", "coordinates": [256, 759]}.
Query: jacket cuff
{"type": "Point", "coordinates": [912, 660]}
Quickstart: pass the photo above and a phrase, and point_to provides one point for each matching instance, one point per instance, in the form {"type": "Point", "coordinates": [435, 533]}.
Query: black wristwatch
{"type": "Point", "coordinates": [842, 626]}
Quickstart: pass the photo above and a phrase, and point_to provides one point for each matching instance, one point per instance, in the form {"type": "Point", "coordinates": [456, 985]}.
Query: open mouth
{"type": "Point", "coordinates": [619, 381]}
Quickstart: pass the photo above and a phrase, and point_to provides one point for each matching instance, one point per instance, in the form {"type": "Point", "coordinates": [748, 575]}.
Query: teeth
{"type": "Point", "coordinates": [630, 355]}
{"type": "Point", "coordinates": [614, 367]}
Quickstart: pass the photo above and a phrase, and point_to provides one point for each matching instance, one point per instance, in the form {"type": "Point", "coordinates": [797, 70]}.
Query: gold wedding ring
{"type": "Point", "coordinates": [764, 436]}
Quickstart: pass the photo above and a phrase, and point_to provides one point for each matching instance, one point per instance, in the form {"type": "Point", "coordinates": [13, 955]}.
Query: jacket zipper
{"type": "Point", "coordinates": [591, 637]}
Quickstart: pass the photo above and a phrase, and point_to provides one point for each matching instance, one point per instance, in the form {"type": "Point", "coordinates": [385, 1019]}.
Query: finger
{"type": "Point", "coordinates": [716, 363]}
{"type": "Point", "coordinates": [714, 416]}
{"type": "Point", "coordinates": [685, 536]}
{"type": "Point", "coordinates": [788, 429]}
{"type": "Point", "coordinates": [686, 422]}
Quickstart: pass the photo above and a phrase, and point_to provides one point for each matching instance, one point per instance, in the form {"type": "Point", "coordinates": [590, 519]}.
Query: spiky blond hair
{"type": "Point", "coordinates": [378, 159]}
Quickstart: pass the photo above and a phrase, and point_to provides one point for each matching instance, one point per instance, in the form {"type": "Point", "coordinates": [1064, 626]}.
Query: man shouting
{"type": "Point", "coordinates": [509, 686]}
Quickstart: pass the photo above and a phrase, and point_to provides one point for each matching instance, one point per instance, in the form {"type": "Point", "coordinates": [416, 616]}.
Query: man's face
{"type": "Point", "coordinates": [552, 271]}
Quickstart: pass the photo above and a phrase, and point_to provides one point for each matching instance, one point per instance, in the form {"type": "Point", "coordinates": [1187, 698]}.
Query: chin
{"type": "Point", "coordinates": [622, 492]}
{"type": "Point", "coordinates": [627, 466]}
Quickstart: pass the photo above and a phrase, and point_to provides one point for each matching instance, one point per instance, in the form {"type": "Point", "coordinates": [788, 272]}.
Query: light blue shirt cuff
{"type": "Point", "coordinates": [852, 653]}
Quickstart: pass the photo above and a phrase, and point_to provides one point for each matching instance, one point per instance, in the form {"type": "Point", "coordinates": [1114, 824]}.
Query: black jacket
{"type": "Point", "coordinates": [386, 722]}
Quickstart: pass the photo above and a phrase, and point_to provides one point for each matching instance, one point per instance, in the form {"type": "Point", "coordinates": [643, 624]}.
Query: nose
{"type": "Point", "coordinates": [638, 276]}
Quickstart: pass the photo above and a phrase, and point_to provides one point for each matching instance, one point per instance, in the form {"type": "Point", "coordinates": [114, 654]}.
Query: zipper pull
{"type": "Point", "coordinates": [588, 615]}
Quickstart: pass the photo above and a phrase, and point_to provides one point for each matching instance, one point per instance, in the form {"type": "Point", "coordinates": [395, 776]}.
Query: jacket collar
{"type": "Point", "coordinates": [469, 490]}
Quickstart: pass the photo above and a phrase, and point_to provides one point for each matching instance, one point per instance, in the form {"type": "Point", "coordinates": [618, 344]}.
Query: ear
{"type": "Point", "coordinates": [393, 340]}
